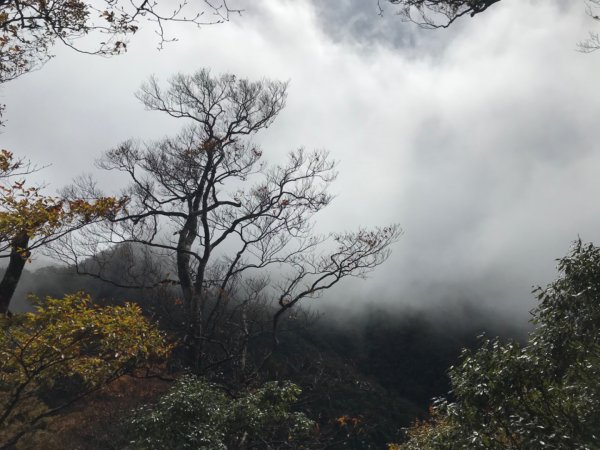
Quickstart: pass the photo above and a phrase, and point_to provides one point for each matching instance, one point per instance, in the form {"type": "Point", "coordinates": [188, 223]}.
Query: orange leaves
{"type": "Point", "coordinates": [348, 421]}
{"type": "Point", "coordinates": [7, 164]}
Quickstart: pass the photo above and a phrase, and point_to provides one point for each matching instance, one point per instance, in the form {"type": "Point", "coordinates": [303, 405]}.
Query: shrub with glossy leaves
{"type": "Point", "coordinates": [543, 395]}
{"type": "Point", "coordinates": [197, 414]}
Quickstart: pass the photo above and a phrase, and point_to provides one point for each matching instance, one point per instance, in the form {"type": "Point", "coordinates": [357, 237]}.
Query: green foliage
{"type": "Point", "coordinates": [198, 414]}
{"type": "Point", "coordinates": [64, 350]}
{"type": "Point", "coordinates": [544, 395]}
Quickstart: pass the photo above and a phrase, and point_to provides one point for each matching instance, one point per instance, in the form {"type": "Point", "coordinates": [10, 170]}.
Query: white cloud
{"type": "Point", "coordinates": [480, 141]}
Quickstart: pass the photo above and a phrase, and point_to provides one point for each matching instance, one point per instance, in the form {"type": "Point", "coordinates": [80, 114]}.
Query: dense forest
{"type": "Point", "coordinates": [176, 302]}
{"type": "Point", "coordinates": [380, 370]}
{"type": "Point", "coordinates": [353, 382]}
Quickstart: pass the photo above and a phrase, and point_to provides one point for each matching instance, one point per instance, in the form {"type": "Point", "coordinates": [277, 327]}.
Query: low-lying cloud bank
{"type": "Point", "coordinates": [481, 140]}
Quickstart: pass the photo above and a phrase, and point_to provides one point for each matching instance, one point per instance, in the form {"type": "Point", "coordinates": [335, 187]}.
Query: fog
{"type": "Point", "coordinates": [480, 140]}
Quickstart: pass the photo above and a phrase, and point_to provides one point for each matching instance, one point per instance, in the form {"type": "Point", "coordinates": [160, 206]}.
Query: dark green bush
{"type": "Point", "coordinates": [197, 414]}
{"type": "Point", "coordinates": [543, 395]}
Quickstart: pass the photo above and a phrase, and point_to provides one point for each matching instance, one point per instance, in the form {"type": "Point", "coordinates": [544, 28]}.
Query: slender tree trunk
{"type": "Point", "coordinates": [18, 258]}
{"type": "Point", "coordinates": [196, 327]}
{"type": "Point", "coordinates": [186, 238]}
{"type": "Point", "coordinates": [245, 340]}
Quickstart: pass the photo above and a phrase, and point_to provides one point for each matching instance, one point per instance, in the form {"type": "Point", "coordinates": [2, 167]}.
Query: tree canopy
{"type": "Point", "coordinates": [29, 220]}
{"type": "Point", "coordinates": [542, 395]}
{"type": "Point", "coordinates": [62, 352]}
{"type": "Point", "coordinates": [197, 414]}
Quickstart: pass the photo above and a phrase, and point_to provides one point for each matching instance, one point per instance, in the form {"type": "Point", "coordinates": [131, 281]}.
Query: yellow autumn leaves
{"type": "Point", "coordinates": [69, 340]}
{"type": "Point", "coordinates": [23, 209]}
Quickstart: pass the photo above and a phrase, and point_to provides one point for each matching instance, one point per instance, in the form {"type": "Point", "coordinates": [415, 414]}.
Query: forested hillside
{"type": "Point", "coordinates": [380, 370]}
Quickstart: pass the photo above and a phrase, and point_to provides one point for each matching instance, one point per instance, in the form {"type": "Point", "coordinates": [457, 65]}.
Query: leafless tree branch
{"type": "Point", "coordinates": [229, 222]}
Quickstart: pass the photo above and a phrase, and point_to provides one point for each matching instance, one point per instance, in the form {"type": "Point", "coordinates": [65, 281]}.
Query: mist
{"type": "Point", "coordinates": [479, 140]}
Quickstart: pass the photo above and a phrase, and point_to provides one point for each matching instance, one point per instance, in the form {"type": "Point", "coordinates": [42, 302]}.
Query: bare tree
{"type": "Point", "coordinates": [235, 226]}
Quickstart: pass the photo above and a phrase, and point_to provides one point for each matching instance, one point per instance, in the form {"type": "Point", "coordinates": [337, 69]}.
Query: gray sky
{"type": "Point", "coordinates": [481, 141]}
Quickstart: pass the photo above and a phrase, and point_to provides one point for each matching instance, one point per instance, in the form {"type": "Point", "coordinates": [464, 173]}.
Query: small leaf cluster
{"type": "Point", "coordinates": [197, 414]}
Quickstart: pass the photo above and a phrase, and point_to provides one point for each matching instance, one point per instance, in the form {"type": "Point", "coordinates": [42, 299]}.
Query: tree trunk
{"type": "Point", "coordinates": [196, 325]}
{"type": "Point", "coordinates": [245, 341]}
{"type": "Point", "coordinates": [18, 258]}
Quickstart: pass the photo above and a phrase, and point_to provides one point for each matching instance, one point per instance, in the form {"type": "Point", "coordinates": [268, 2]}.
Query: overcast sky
{"type": "Point", "coordinates": [481, 140]}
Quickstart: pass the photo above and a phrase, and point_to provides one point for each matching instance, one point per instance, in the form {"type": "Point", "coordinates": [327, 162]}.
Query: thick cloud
{"type": "Point", "coordinates": [480, 140]}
